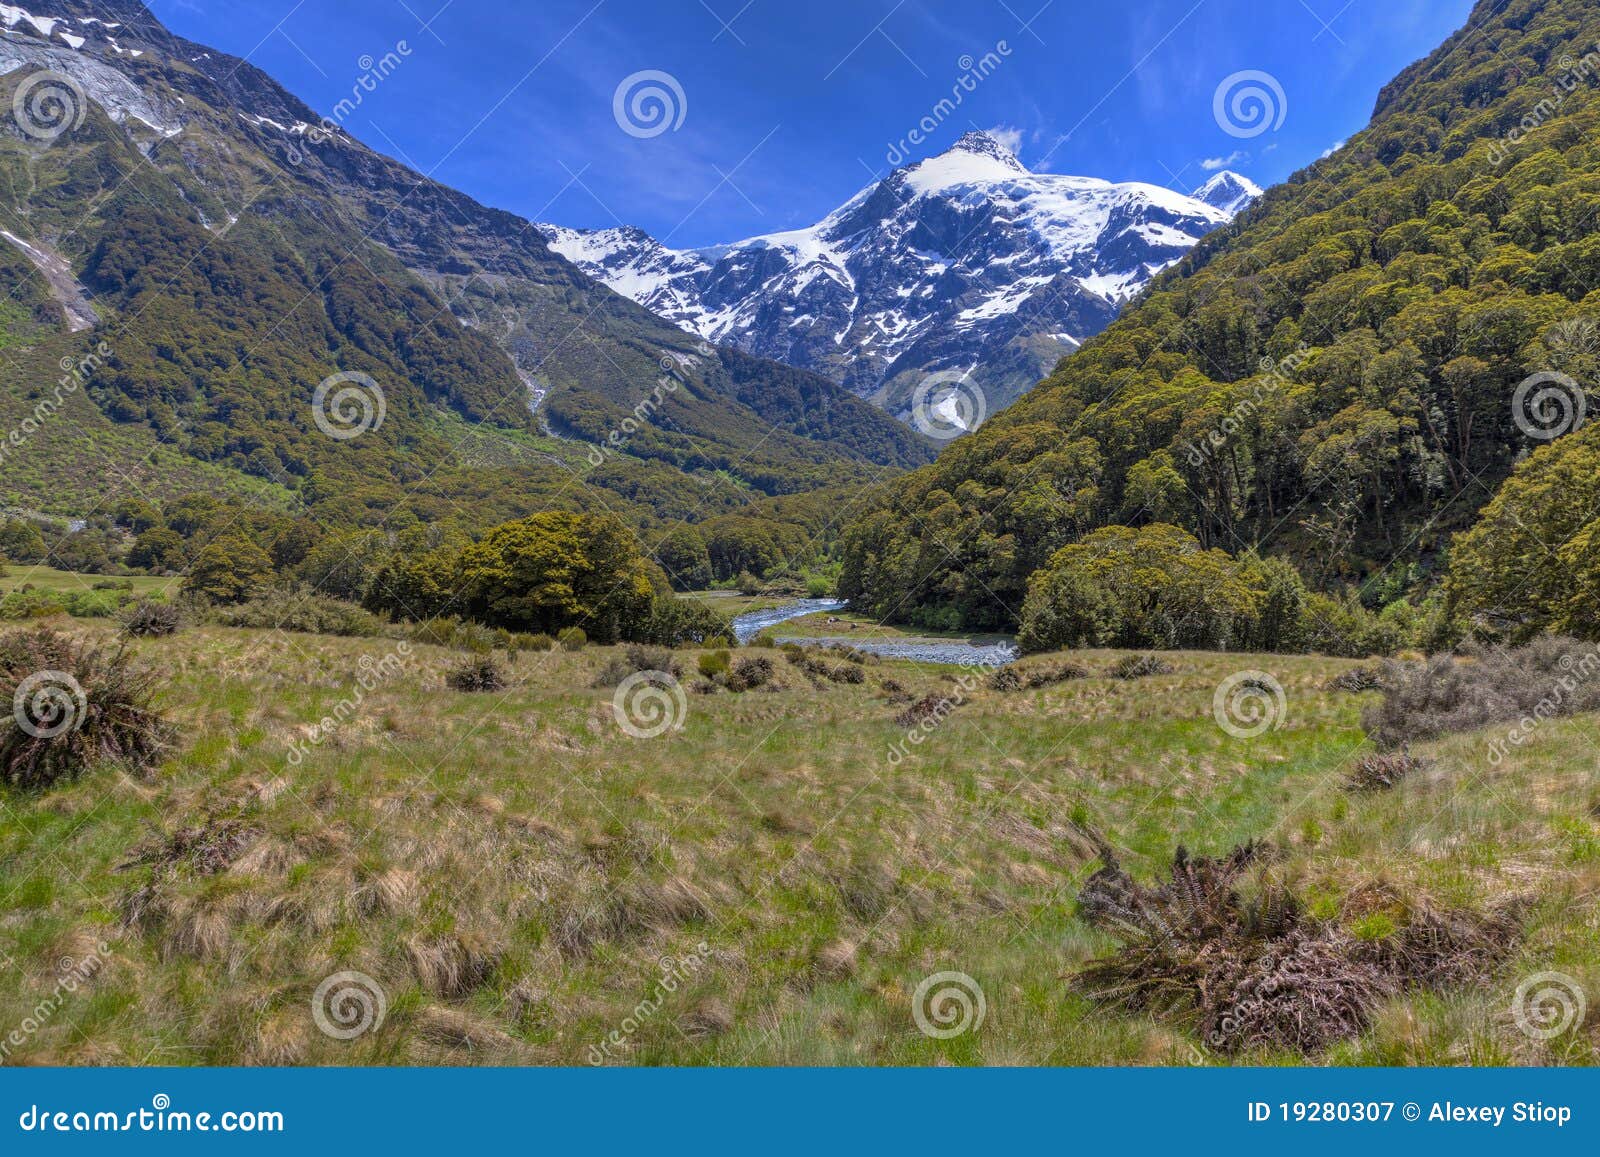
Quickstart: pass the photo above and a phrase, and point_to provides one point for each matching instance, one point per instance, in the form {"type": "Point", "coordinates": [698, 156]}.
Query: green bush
{"type": "Point", "coordinates": [713, 663]}
{"type": "Point", "coordinates": [302, 612]}
{"type": "Point", "coordinates": [572, 639]}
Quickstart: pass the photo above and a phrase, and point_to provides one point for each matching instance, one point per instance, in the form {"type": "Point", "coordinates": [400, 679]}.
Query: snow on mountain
{"type": "Point", "coordinates": [966, 261]}
{"type": "Point", "coordinates": [1229, 192]}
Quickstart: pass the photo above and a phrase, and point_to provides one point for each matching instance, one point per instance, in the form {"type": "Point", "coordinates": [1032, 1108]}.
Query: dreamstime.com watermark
{"type": "Point", "coordinates": [1548, 405]}
{"type": "Point", "coordinates": [160, 1117]}
{"type": "Point", "coordinates": [47, 104]}
{"type": "Point", "coordinates": [1274, 377]}
{"type": "Point", "coordinates": [1547, 1004]}
{"type": "Point", "coordinates": [1573, 74]}
{"type": "Point", "coordinates": [671, 378]}
{"type": "Point", "coordinates": [648, 103]}
{"type": "Point", "coordinates": [349, 1004]}
{"type": "Point", "coordinates": [70, 976]}
{"type": "Point", "coordinates": [948, 1004]}
{"type": "Point", "coordinates": [374, 672]}
{"type": "Point", "coordinates": [674, 972]}
{"type": "Point", "coordinates": [1579, 670]}
{"type": "Point", "coordinates": [75, 373]}
{"type": "Point", "coordinates": [932, 717]}
{"type": "Point", "coordinates": [973, 74]}
{"type": "Point", "coordinates": [650, 703]}
{"type": "Point", "coordinates": [1249, 103]}
{"type": "Point", "coordinates": [1249, 703]}
{"type": "Point", "coordinates": [348, 404]}
{"type": "Point", "coordinates": [374, 71]}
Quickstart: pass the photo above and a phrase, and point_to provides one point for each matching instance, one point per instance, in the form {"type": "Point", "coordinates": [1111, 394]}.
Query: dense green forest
{"type": "Point", "coordinates": [1333, 379]}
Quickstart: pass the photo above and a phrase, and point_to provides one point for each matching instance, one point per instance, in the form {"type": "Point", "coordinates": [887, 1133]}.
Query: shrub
{"type": "Point", "coordinates": [1546, 678]}
{"type": "Point", "coordinates": [1005, 679]}
{"type": "Point", "coordinates": [748, 584]}
{"type": "Point", "coordinates": [77, 705]}
{"type": "Point", "coordinates": [634, 659]}
{"type": "Point", "coordinates": [149, 618]}
{"type": "Point", "coordinates": [713, 663]}
{"type": "Point", "coordinates": [676, 622]}
{"type": "Point", "coordinates": [1140, 667]}
{"type": "Point", "coordinates": [300, 611]}
{"type": "Point", "coordinates": [572, 638]}
{"type": "Point", "coordinates": [480, 674]}
{"type": "Point", "coordinates": [750, 672]}
{"type": "Point", "coordinates": [539, 642]}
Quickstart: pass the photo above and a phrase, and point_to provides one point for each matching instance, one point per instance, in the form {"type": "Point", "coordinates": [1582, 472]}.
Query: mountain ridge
{"type": "Point", "coordinates": [963, 261]}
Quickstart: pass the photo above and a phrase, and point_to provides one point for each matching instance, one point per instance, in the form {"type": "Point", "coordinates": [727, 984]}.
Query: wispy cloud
{"type": "Point", "coordinates": [1331, 149]}
{"type": "Point", "coordinates": [1212, 164]}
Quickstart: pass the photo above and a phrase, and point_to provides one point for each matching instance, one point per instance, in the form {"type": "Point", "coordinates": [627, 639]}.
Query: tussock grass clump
{"type": "Point", "coordinates": [480, 674]}
{"type": "Point", "coordinates": [638, 658]}
{"type": "Point", "coordinates": [1016, 678]}
{"type": "Point", "coordinates": [1140, 667]}
{"type": "Point", "coordinates": [1260, 973]}
{"type": "Point", "coordinates": [1547, 678]}
{"type": "Point", "coordinates": [150, 618]}
{"type": "Point", "coordinates": [750, 672]}
{"type": "Point", "coordinates": [928, 708]}
{"type": "Point", "coordinates": [1005, 679]}
{"type": "Point", "coordinates": [1357, 679]}
{"type": "Point", "coordinates": [713, 663]}
{"type": "Point", "coordinates": [572, 639]}
{"type": "Point", "coordinates": [1380, 772]}
{"type": "Point", "coordinates": [73, 705]}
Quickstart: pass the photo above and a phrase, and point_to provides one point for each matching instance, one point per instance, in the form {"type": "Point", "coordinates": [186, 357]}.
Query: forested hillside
{"type": "Point", "coordinates": [230, 259]}
{"type": "Point", "coordinates": [1342, 377]}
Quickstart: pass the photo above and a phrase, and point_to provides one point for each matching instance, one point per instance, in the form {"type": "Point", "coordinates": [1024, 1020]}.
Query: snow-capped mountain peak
{"type": "Point", "coordinates": [1228, 191]}
{"type": "Point", "coordinates": [962, 260]}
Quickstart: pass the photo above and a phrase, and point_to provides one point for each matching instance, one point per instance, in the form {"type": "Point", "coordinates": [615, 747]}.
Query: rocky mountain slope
{"type": "Point", "coordinates": [234, 251]}
{"type": "Point", "coordinates": [965, 261]}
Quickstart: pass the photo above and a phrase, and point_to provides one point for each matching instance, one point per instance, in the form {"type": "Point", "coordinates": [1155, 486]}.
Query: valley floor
{"type": "Point", "coordinates": [511, 877]}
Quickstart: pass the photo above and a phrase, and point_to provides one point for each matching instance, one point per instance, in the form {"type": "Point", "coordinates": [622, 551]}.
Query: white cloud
{"type": "Point", "coordinates": [1331, 149]}
{"type": "Point", "coordinates": [1008, 136]}
{"type": "Point", "coordinates": [1212, 164]}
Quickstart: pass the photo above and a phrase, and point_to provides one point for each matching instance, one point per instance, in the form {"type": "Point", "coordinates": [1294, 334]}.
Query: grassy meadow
{"type": "Point", "coordinates": [527, 883]}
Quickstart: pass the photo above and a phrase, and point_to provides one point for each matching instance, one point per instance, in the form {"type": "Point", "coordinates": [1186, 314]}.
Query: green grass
{"type": "Point", "coordinates": [46, 578]}
{"type": "Point", "coordinates": [511, 868]}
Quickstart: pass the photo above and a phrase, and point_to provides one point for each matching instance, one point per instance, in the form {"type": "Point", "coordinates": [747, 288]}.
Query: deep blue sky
{"type": "Point", "coordinates": [793, 105]}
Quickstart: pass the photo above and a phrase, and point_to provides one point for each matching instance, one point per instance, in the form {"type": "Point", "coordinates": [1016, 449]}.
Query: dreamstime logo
{"type": "Point", "coordinates": [1249, 103]}
{"type": "Point", "coordinates": [48, 703]}
{"type": "Point", "coordinates": [674, 366]}
{"type": "Point", "coordinates": [650, 703]}
{"type": "Point", "coordinates": [348, 1004]}
{"type": "Point", "coordinates": [1547, 1004]}
{"type": "Point", "coordinates": [1249, 703]}
{"type": "Point", "coordinates": [1574, 74]}
{"type": "Point", "coordinates": [648, 103]}
{"type": "Point", "coordinates": [973, 73]}
{"type": "Point", "coordinates": [948, 1004]}
{"type": "Point", "coordinates": [357, 405]}
{"type": "Point", "coordinates": [948, 404]}
{"type": "Point", "coordinates": [48, 104]}
{"type": "Point", "coordinates": [1549, 404]}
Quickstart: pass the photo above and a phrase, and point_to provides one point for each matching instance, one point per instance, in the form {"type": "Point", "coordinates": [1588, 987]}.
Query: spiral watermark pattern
{"type": "Point", "coordinates": [1549, 404]}
{"type": "Point", "coordinates": [1547, 1004]}
{"type": "Point", "coordinates": [948, 1004]}
{"type": "Point", "coordinates": [948, 404]}
{"type": "Point", "coordinates": [49, 703]}
{"type": "Point", "coordinates": [356, 405]}
{"type": "Point", "coordinates": [649, 103]}
{"type": "Point", "coordinates": [348, 1004]}
{"type": "Point", "coordinates": [48, 104]}
{"type": "Point", "coordinates": [650, 703]}
{"type": "Point", "coordinates": [1249, 103]}
{"type": "Point", "coordinates": [1249, 703]}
